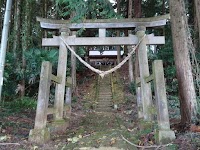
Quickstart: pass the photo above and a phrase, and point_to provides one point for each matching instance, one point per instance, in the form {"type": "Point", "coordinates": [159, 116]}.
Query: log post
{"type": "Point", "coordinates": [146, 95]}
{"type": "Point", "coordinates": [73, 67]}
{"type": "Point", "coordinates": [61, 71]}
{"type": "Point", "coordinates": [139, 102]}
{"type": "Point", "coordinates": [68, 99]}
{"type": "Point", "coordinates": [164, 134]}
{"type": "Point", "coordinates": [59, 125]}
{"type": "Point", "coordinates": [130, 65]}
{"type": "Point", "coordinates": [118, 48]}
{"type": "Point", "coordinates": [40, 133]}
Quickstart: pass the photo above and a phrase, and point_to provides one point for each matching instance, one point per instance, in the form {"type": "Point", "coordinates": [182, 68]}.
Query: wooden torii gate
{"type": "Point", "coordinates": [38, 134]}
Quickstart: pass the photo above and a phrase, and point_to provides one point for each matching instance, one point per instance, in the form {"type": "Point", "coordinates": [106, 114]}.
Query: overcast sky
{"type": "Point", "coordinates": [112, 1]}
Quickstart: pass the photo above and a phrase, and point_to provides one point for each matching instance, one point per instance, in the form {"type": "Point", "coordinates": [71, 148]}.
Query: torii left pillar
{"type": "Point", "coordinates": [59, 124]}
{"type": "Point", "coordinates": [145, 90]}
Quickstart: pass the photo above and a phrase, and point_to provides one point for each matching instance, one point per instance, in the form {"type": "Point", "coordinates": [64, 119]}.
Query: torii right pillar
{"type": "Point", "coordinates": [145, 91]}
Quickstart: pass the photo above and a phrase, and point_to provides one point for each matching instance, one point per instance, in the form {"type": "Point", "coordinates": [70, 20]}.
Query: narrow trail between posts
{"type": "Point", "coordinates": [104, 100]}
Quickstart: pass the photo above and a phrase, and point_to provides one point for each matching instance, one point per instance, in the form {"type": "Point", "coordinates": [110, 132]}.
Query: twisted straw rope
{"type": "Point", "coordinates": [102, 73]}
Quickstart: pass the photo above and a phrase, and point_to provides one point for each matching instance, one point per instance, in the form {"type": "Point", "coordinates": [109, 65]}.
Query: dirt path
{"type": "Point", "coordinates": [98, 130]}
{"type": "Point", "coordinates": [89, 129]}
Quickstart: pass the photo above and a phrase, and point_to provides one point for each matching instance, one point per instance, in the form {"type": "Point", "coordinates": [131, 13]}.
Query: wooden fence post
{"type": "Point", "coordinates": [40, 133]}
{"type": "Point", "coordinates": [164, 134]}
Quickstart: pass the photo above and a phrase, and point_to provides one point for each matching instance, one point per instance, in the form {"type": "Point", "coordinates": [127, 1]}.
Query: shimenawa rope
{"type": "Point", "coordinates": [102, 73]}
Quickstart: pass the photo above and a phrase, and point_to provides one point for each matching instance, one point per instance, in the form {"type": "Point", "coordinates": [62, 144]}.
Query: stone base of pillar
{"type": "Point", "coordinates": [165, 136]}
{"type": "Point", "coordinates": [39, 136]}
{"type": "Point", "coordinates": [58, 126]}
{"type": "Point", "coordinates": [140, 113]}
{"type": "Point", "coordinates": [67, 113]}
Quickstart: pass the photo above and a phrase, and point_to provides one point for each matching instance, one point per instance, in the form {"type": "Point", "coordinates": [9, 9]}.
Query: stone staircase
{"type": "Point", "coordinates": [105, 95]}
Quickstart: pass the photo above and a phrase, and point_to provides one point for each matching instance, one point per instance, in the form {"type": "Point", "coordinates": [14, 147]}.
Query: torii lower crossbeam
{"type": "Point", "coordinates": [97, 41]}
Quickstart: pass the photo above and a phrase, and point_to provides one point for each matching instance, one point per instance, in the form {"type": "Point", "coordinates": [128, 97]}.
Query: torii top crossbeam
{"type": "Point", "coordinates": [104, 23]}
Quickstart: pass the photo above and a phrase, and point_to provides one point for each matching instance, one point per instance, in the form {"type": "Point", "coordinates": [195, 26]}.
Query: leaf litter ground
{"type": "Point", "coordinates": [90, 130]}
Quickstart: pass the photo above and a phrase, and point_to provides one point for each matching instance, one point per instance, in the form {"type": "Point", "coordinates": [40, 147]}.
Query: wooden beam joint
{"type": "Point", "coordinates": [56, 79]}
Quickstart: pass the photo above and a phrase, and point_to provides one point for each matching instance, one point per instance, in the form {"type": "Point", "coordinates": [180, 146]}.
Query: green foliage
{"type": "Point", "coordinates": [156, 7]}
{"type": "Point", "coordinates": [10, 76]}
{"type": "Point", "coordinates": [99, 9]}
{"type": "Point", "coordinates": [34, 59]}
{"type": "Point", "coordinates": [21, 104]}
{"type": "Point", "coordinates": [165, 53]}
{"type": "Point", "coordinates": [79, 66]}
{"type": "Point", "coordinates": [90, 9]}
{"type": "Point", "coordinates": [81, 52]}
{"type": "Point", "coordinates": [68, 7]}
{"type": "Point", "coordinates": [14, 73]}
{"type": "Point", "coordinates": [132, 87]}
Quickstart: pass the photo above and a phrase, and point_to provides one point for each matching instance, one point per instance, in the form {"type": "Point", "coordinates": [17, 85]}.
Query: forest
{"type": "Point", "coordinates": [24, 56]}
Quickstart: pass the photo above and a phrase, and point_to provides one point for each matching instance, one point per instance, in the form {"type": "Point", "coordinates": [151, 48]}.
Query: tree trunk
{"type": "Point", "coordinates": [16, 30]}
{"type": "Point", "coordinates": [2, 5]}
{"type": "Point", "coordinates": [137, 8]}
{"type": "Point", "coordinates": [118, 34]}
{"type": "Point", "coordinates": [137, 14]}
{"type": "Point", "coordinates": [4, 41]}
{"type": "Point", "coordinates": [197, 6]}
{"type": "Point", "coordinates": [44, 4]}
{"type": "Point", "coordinates": [197, 42]}
{"type": "Point", "coordinates": [130, 62]}
{"type": "Point", "coordinates": [182, 61]}
{"type": "Point", "coordinates": [25, 41]}
{"type": "Point", "coordinates": [45, 15]}
{"type": "Point", "coordinates": [1, 18]}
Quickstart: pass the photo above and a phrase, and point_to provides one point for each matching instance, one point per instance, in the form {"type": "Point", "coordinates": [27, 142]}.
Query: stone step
{"type": "Point", "coordinates": [104, 106]}
{"type": "Point", "coordinates": [104, 84]}
{"type": "Point", "coordinates": [105, 96]}
{"type": "Point", "coordinates": [105, 99]}
{"type": "Point", "coordinates": [106, 102]}
{"type": "Point", "coordinates": [103, 109]}
{"type": "Point", "coordinates": [105, 89]}
{"type": "Point", "coordinates": [105, 93]}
